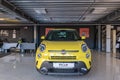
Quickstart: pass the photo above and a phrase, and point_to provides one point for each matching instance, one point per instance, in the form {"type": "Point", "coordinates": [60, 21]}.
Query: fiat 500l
{"type": "Point", "coordinates": [63, 52]}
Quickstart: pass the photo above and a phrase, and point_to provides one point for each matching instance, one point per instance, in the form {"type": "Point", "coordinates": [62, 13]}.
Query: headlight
{"type": "Point", "coordinates": [42, 47]}
{"type": "Point", "coordinates": [84, 48]}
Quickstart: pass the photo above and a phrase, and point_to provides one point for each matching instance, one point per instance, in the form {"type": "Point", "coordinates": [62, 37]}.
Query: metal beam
{"type": "Point", "coordinates": [99, 37]}
{"type": "Point", "coordinates": [16, 10]}
{"type": "Point", "coordinates": [61, 24]}
{"type": "Point", "coordinates": [110, 17]}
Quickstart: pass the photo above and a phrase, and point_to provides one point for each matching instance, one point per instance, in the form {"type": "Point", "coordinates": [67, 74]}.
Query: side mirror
{"type": "Point", "coordinates": [42, 37]}
{"type": "Point", "coordinates": [83, 37]}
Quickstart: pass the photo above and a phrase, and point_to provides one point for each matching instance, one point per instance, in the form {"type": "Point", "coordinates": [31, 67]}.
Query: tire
{"type": "Point", "coordinates": [41, 72]}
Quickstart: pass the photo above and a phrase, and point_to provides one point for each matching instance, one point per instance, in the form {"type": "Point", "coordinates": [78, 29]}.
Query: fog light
{"type": "Point", "coordinates": [37, 63]}
{"type": "Point", "coordinates": [83, 69]}
{"type": "Point", "coordinates": [44, 70]}
{"type": "Point", "coordinates": [89, 62]}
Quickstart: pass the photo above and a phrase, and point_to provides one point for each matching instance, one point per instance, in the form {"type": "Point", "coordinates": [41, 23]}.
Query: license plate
{"type": "Point", "coordinates": [63, 65]}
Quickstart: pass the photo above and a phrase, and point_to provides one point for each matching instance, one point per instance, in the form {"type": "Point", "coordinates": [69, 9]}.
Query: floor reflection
{"type": "Point", "coordinates": [104, 67]}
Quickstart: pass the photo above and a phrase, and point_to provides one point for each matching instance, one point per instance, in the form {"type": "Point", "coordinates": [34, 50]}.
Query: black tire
{"type": "Point", "coordinates": [39, 70]}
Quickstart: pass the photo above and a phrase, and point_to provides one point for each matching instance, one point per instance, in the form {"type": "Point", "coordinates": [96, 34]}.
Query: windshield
{"type": "Point", "coordinates": [62, 35]}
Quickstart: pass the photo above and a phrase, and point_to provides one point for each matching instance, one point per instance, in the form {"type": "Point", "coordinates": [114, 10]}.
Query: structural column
{"type": "Point", "coordinates": [114, 42]}
{"type": "Point", "coordinates": [35, 34]}
{"type": "Point", "coordinates": [108, 38]}
{"type": "Point", "coordinates": [99, 38]}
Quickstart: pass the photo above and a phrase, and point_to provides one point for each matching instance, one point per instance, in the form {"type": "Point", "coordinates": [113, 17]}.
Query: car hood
{"type": "Point", "coordinates": [63, 45]}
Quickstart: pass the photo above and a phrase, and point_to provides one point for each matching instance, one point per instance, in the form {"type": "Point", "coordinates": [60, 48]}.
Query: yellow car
{"type": "Point", "coordinates": [63, 52]}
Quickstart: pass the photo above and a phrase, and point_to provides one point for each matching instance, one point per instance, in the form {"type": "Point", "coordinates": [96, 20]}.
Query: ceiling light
{"type": "Point", "coordinates": [99, 10]}
{"type": "Point", "coordinates": [46, 19]}
{"type": "Point", "coordinates": [2, 19]}
{"type": "Point", "coordinates": [40, 10]}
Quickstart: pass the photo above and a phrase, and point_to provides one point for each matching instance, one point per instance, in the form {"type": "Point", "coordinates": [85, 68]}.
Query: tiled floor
{"type": "Point", "coordinates": [104, 67]}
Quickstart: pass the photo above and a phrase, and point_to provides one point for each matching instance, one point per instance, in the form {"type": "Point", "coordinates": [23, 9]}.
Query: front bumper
{"type": "Point", "coordinates": [79, 68]}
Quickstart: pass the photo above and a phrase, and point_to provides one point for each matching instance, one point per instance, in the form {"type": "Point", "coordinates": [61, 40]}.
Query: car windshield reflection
{"type": "Point", "coordinates": [62, 35]}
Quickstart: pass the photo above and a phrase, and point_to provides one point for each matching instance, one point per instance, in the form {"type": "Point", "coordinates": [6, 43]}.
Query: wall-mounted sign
{"type": "Point", "coordinates": [47, 30]}
{"type": "Point", "coordinates": [84, 32]}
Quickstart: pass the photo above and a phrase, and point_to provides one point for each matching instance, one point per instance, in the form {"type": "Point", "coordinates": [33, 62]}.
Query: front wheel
{"type": "Point", "coordinates": [43, 71]}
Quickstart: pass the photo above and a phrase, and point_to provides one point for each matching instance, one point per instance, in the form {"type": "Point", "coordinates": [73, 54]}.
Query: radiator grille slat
{"type": "Point", "coordinates": [63, 57]}
{"type": "Point", "coordinates": [61, 50]}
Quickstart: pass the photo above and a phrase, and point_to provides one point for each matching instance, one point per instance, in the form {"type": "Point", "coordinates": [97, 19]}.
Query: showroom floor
{"type": "Point", "coordinates": [104, 67]}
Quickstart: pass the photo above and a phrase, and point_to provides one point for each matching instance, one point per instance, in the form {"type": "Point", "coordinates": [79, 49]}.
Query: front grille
{"type": "Point", "coordinates": [61, 50]}
{"type": "Point", "coordinates": [63, 70]}
{"type": "Point", "coordinates": [63, 57]}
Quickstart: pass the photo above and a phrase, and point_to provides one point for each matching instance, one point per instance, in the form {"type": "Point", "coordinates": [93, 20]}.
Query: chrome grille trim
{"type": "Point", "coordinates": [63, 57]}
{"type": "Point", "coordinates": [61, 50]}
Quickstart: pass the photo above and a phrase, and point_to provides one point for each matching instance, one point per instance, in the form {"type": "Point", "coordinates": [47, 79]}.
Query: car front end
{"type": "Point", "coordinates": [63, 57]}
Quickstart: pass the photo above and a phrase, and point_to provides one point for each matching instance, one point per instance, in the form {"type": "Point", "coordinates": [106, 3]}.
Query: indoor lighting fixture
{"type": "Point", "coordinates": [25, 27]}
{"type": "Point", "coordinates": [46, 19]}
{"type": "Point", "coordinates": [2, 19]}
{"type": "Point", "coordinates": [99, 10]}
{"type": "Point", "coordinates": [40, 10]}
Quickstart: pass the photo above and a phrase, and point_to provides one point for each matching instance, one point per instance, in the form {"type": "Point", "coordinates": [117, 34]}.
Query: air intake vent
{"type": "Point", "coordinates": [61, 50]}
{"type": "Point", "coordinates": [63, 57]}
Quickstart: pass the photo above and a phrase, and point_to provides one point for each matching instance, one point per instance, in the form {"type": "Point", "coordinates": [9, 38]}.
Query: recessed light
{"type": "Point", "coordinates": [99, 10]}
{"type": "Point", "coordinates": [40, 10]}
{"type": "Point", "coordinates": [2, 19]}
{"type": "Point", "coordinates": [46, 19]}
